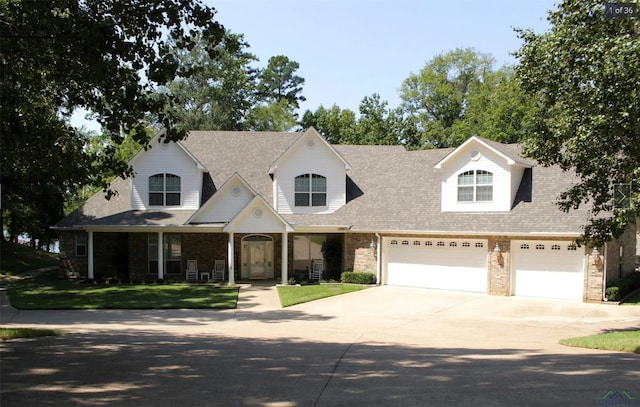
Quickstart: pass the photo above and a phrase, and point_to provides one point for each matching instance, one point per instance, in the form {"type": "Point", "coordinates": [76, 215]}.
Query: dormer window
{"type": "Point", "coordinates": [164, 190]}
{"type": "Point", "coordinates": [310, 190]}
{"type": "Point", "coordinates": [475, 186]}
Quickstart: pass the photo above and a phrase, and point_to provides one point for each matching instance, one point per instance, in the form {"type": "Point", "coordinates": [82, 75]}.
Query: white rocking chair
{"type": "Point", "coordinates": [315, 274]}
{"type": "Point", "coordinates": [218, 270]}
{"type": "Point", "coordinates": [192, 270]}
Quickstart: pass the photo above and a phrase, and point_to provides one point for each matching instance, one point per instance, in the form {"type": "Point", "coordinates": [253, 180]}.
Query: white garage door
{"type": "Point", "coordinates": [548, 269]}
{"type": "Point", "coordinates": [448, 264]}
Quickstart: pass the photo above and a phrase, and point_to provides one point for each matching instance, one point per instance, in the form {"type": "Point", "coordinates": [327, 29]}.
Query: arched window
{"type": "Point", "coordinates": [310, 190]}
{"type": "Point", "coordinates": [164, 190]}
{"type": "Point", "coordinates": [475, 186]}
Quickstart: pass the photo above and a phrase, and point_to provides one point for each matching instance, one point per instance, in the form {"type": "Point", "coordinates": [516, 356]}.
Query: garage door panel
{"type": "Point", "coordinates": [451, 266]}
{"type": "Point", "coordinates": [548, 270]}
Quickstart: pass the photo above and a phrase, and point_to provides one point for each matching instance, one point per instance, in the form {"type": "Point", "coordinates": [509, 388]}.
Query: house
{"type": "Point", "coordinates": [266, 205]}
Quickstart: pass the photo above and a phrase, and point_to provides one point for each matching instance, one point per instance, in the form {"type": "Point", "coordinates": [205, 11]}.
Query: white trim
{"type": "Point", "coordinates": [90, 265]}
{"type": "Point", "coordinates": [284, 268]}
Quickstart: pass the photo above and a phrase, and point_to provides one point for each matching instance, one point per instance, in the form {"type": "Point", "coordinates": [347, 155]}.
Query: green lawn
{"type": "Point", "coordinates": [624, 341]}
{"type": "Point", "coordinates": [17, 259]}
{"type": "Point", "coordinates": [15, 333]}
{"type": "Point", "coordinates": [634, 299]}
{"type": "Point", "coordinates": [292, 295]}
{"type": "Point", "coordinates": [46, 291]}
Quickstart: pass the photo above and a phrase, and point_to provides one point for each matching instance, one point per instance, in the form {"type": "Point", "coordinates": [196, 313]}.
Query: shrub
{"type": "Point", "coordinates": [358, 277]}
{"type": "Point", "coordinates": [623, 287]}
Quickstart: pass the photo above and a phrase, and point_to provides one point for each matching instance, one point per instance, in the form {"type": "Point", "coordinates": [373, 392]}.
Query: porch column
{"type": "Point", "coordinates": [90, 270]}
{"type": "Point", "coordinates": [160, 256]}
{"type": "Point", "coordinates": [231, 259]}
{"type": "Point", "coordinates": [285, 258]}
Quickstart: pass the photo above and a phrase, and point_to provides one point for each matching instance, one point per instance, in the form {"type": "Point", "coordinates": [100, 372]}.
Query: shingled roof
{"type": "Point", "coordinates": [389, 189]}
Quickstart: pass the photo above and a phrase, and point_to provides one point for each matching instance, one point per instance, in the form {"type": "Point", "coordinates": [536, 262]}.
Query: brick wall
{"type": "Point", "coordinates": [72, 264]}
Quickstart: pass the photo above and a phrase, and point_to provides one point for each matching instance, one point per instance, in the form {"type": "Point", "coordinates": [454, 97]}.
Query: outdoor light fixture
{"type": "Point", "coordinates": [496, 249]}
{"type": "Point", "coordinates": [595, 256]}
{"type": "Point", "coordinates": [372, 245]}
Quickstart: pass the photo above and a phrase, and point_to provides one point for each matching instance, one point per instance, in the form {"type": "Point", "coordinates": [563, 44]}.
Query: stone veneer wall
{"type": "Point", "coordinates": [499, 276]}
{"type": "Point", "coordinates": [358, 255]}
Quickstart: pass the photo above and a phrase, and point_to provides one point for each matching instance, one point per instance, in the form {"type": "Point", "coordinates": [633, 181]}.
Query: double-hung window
{"type": "Point", "coordinates": [475, 186]}
{"type": "Point", "coordinates": [310, 190]}
{"type": "Point", "coordinates": [164, 190]}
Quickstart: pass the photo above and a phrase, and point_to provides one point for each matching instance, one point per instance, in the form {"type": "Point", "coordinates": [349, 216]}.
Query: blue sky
{"type": "Point", "coordinates": [349, 49]}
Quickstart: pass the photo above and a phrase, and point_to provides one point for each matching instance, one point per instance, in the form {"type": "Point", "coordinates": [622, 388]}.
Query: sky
{"type": "Point", "coordinates": [349, 49]}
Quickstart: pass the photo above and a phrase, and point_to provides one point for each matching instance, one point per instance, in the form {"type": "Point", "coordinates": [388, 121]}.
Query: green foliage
{"type": "Point", "coordinates": [336, 125]}
{"type": "Point", "coordinates": [217, 87]}
{"type": "Point", "coordinates": [292, 295]}
{"type": "Point", "coordinates": [273, 116]}
{"type": "Point", "coordinates": [61, 55]}
{"type": "Point", "coordinates": [623, 287]}
{"type": "Point", "coordinates": [358, 277]}
{"type": "Point", "coordinates": [278, 82]}
{"type": "Point", "coordinates": [585, 77]}
{"type": "Point", "coordinates": [16, 259]}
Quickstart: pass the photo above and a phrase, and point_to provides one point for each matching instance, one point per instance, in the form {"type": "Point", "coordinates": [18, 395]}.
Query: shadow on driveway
{"type": "Point", "coordinates": [147, 368]}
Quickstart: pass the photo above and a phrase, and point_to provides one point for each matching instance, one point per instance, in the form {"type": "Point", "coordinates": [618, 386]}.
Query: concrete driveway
{"type": "Point", "coordinates": [382, 346]}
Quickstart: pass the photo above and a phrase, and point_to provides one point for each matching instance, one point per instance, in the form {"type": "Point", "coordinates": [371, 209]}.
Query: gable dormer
{"type": "Point", "coordinates": [234, 195]}
{"type": "Point", "coordinates": [166, 176]}
{"type": "Point", "coordinates": [309, 177]}
{"type": "Point", "coordinates": [481, 176]}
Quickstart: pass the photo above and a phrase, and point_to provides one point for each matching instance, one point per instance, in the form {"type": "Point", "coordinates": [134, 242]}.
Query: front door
{"type": "Point", "coordinates": [257, 257]}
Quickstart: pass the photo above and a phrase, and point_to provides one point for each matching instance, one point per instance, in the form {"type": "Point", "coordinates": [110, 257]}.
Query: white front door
{"type": "Point", "coordinates": [257, 257]}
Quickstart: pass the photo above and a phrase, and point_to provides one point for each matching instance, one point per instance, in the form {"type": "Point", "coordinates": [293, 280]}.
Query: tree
{"type": "Point", "coordinates": [272, 116]}
{"type": "Point", "coordinates": [376, 124]}
{"type": "Point", "coordinates": [438, 94]}
{"type": "Point", "coordinates": [60, 55]}
{"type": "Point", "coordinates": [278, 81]}
{"type": "Point", "coordinates": [214, 92]}
{"type": "Point", "coordinates": [497, 109]}
{"type": "Point", "coordinates": [585, 76]}
{"type": "Point", "coordinates": [336, 125]}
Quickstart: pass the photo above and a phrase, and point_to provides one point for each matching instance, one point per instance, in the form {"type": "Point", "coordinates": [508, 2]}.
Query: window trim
{"type": "Point", "coordinates": [85, 237]}
{"type": "Point", "coordinates": [310, 197]}
{"type": "Point", "coordinates": [476, 186]}
{"type": "Point", "coordinates": [168, 189]}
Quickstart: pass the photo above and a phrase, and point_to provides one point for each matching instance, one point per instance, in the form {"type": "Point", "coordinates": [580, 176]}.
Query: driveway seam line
{"type": "Point", "coordinates": [335, 367]}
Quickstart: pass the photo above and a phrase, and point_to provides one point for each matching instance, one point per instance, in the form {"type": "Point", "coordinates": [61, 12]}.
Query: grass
{"type": "Point", "coordinates": [16, 259]}
{"type": "Point", "coordinates": [623, 341]}
{"type": "Point", "coordinates": [633, 299]}
{"type": "Point", "coordinates": [292, 295]}
{"type": "Point", "coordinates": [15, 333]}
{"type": "Point", "coordinates": [47, 291]}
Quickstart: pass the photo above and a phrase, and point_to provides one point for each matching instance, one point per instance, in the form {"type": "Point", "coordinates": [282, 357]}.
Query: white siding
{"type": "Point", "coordinates": [488, 161]}
{"type": "Point", "coordinates": [257, 218]}
{"type": "Point", "coordinates": [225, 204]}
{"type": "Point", "coordinates": [516, 179]}
{"type": "Point", "coordinates": [306, 159]}
{"type": "Point", "coordinates": [170, 159]}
